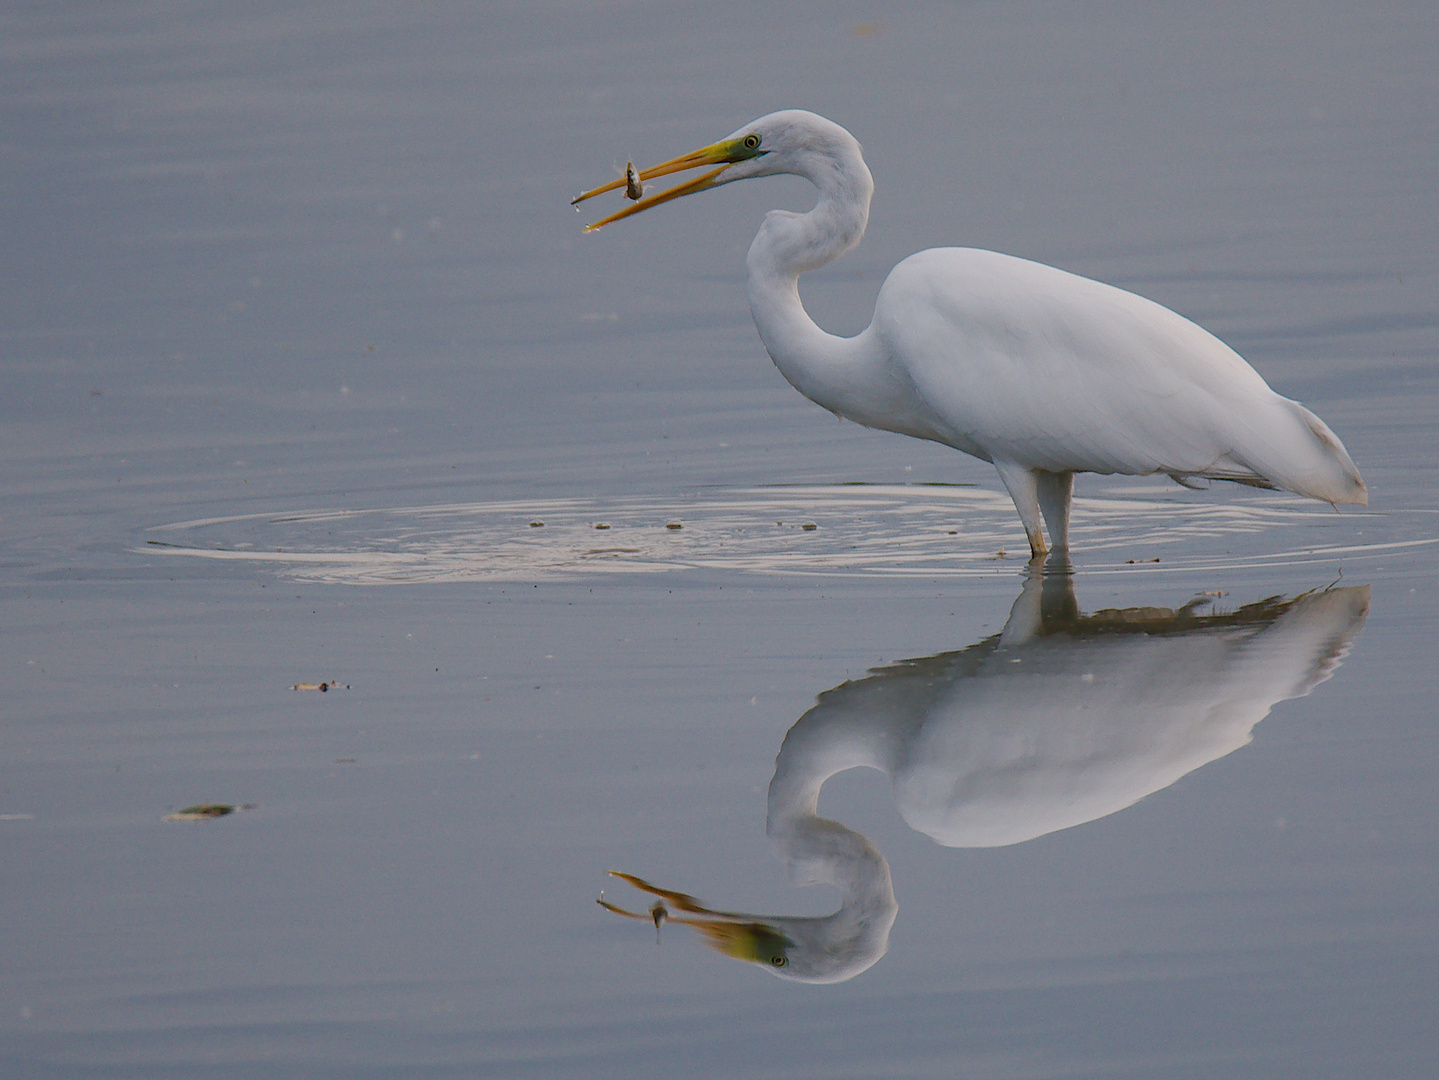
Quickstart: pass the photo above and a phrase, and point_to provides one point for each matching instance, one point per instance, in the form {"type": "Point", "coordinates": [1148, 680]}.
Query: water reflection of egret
{"type": "Point", "coordinates": [1060, 719]}
{"type": "Point", "coordinates": [1038, 371]}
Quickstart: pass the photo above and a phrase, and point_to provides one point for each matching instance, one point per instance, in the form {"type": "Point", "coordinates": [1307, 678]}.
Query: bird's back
{"type": "Point", "coordinates": [1012, 360]}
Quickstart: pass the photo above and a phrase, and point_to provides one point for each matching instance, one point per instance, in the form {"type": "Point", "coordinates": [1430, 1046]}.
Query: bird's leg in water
{"type": "Point", "coordinates": [1022, 485]}
{"type": "Point", "coordinates": [1055, 491]}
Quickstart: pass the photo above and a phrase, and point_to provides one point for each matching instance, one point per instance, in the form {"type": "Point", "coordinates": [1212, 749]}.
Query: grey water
{"type": "Point", "coordinates": [308, 375]}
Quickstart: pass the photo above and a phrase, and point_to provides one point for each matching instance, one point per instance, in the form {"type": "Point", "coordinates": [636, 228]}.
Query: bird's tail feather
{"type": "Point", "coordinates": [1332, 475]}
{"type": "Point", "coordinates": [1296, 451]}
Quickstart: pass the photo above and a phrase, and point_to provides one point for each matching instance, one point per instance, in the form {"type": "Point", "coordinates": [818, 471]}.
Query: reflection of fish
{"type": "Point", "coordinates": [1060, 719]}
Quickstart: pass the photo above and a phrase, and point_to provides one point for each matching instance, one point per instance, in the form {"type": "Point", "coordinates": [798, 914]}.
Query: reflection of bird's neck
{"type": "Point", "coordinates": [822, 851]}
{"type": "Point", "coordinates": [826, 741]}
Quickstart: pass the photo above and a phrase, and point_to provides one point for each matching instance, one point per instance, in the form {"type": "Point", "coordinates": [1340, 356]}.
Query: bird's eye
{"type": "Point", "coordinates": [779, 961]}
{"type": "Point", "coordinates": [751, 141]}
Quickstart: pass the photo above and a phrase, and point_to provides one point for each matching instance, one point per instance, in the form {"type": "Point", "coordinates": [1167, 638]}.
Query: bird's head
{"type": "Point", "coordinates": [791, 141]}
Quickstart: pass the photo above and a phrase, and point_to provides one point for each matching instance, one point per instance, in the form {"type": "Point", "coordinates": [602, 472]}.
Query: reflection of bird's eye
{"type": "Point", "coordinates": [779, 961]}
{"type": "Point", "coordinates": [751, 142]}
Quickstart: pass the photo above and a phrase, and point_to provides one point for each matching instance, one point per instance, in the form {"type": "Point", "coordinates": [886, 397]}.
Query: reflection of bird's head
{"type": "Point", "coordinates": [755, 941]}
{"type": "Point", "coordinates": [817, 949]}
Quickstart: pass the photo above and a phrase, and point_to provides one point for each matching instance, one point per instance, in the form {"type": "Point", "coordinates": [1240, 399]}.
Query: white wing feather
{"type": "Point", "coordinates": [1014, 360]}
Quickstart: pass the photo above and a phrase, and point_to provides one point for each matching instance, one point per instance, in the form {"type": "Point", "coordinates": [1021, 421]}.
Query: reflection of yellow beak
{"type": "Point", "coordinates": [721, 153]}
{"type": "Point", "coordinates": [741, 936]}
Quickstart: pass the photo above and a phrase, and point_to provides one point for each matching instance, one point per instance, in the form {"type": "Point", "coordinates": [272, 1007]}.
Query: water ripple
{"type": "Point", "coordinates": [845, 530]}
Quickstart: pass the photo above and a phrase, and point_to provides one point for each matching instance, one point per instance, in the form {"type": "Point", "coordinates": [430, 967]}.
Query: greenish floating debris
{"type": "Point", "coordinates": [537, 524]}
{"type": "Point", "coordinates": [674, 525]}
{"type": "Point", "coordinates": [811, 527]}
{"type": "Point", "coordinates": [601, 525]}
{"type": "Point", "coordinates": [201, 812]}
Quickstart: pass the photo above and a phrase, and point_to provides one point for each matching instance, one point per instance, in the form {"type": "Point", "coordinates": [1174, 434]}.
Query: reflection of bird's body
{"type": "Point", "coordinates": [1063, 718]}
{"type": "Point", "coordinates": [1038, 371]}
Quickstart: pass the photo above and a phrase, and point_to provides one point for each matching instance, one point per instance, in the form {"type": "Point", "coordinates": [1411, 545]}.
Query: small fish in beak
{"type": "Point", "coordinates": [634, 189]}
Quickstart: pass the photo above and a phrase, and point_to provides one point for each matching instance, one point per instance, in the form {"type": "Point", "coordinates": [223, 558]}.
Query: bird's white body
{"type": "Point", "coordinates": [1041, 372]}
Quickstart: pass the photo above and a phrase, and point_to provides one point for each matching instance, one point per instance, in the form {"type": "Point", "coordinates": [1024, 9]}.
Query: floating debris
{"type": "Point", "coordinates": [674, 525]}
{"type": "Point", "coordinates": [323, 687]}
{"type": "Point", "coordinates": [601, 525]}
{"type": "Point", "coordinates": [1131, 562]}
{"type": "Point", "coordinates": [537, 524]}
{"type": "Point", "coordinates": [809, 527]}
{"type": "Point", "coordinates": [206, 811]}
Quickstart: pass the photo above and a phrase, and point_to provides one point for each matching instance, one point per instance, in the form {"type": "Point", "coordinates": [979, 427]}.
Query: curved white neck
{"type": "Point", "coordinates": [789, 244]}
{"type": "Point", "coordinates": [851, 377]}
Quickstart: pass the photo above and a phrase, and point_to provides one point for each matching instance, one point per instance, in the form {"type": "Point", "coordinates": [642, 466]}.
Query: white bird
{"type": "Point", "coordinates": [1039, 371]}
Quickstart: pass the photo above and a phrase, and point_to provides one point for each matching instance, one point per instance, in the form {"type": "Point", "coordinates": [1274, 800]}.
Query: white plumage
{"type": "Point", "coordinates": [1041, 372]}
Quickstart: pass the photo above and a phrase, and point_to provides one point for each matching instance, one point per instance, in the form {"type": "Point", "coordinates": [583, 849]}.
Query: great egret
{"type": "Point", "coordinates": [1041, 372]}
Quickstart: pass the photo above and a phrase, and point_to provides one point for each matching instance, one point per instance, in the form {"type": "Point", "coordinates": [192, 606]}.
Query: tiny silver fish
{"type": "Point", "coordinates": [633, 188]}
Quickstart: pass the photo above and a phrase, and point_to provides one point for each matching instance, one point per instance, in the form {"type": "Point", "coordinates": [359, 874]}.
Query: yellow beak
{"type": "Point", "coordinates": [721, 154]}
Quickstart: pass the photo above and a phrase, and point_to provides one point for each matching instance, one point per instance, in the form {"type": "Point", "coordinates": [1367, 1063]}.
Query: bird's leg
{"type": "Point", "coordinates": [1023, 489]}
{"type": "Point", "coordinates": [1055, 491]}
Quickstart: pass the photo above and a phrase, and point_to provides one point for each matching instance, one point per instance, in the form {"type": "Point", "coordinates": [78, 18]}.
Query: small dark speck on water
{"type": "Point", "coordinates": [537, 524]}
{"type": "Point", "coordinates": [674, 525]}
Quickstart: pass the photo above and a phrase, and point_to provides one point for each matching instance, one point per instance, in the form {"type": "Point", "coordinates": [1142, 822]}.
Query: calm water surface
{"type": "Point", "coordinates": [299, 338]}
